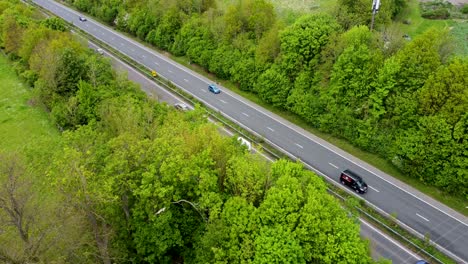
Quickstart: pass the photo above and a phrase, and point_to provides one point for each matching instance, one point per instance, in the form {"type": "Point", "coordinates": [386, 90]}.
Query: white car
{"type": "Point", "coordinates": [181, 106]}
{"type": "Point", "coordinates": [100, 51]}
{"type": "Point", "coordinates": [245, 142]}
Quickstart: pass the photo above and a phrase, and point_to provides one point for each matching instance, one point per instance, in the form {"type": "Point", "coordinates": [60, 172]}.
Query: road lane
{"type": "Point", "coordinates": [446, 228]}
{"type": "Point", "coordinates": [381, 245]}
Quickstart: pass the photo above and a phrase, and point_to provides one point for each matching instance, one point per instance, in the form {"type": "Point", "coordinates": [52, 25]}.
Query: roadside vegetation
{"type": "Point", "coordinates": [395, 92]}
{"type": "Point", "coordinates": [124, 179]}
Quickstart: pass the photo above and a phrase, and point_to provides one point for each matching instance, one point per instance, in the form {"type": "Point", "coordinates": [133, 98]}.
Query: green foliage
{"type": "Point", "coordinates": [351, 13]}
{"type": "Point", "coordinates": [54, 23]}
{"type": "Point", "coordinates": [273, 86]}
{"type": "Point", "coordinates": [252, 17]}
{"type": "Point", "coordinates": [437, 9]}
{"type": "Point", "coordinates": [154, 185]}
{"type": "Point", "coordinates": [464, 9]}
{"type": "Point", "coordinates": [302, 42]}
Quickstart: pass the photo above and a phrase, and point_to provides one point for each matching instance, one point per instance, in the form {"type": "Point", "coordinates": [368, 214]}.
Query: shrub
{"type": "Point", "coordinates": [440, 13]}
{"type": "Point", "coordinates": [464, 9]}
{"type": "Point", "coordinates": [437, 9]}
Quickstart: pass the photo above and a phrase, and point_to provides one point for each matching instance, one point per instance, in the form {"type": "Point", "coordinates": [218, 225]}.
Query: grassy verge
{"type": "Point", "coordinates": [418, 24]}
{"type": "Point", "coordinates": [21, 124]}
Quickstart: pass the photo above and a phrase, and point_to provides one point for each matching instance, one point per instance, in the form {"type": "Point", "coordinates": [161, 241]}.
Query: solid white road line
{"type": "Point", "coordinates": [333, 165]}
{"type": "Point", "coordinates": [427, 220]}
{"type": "Point", "coordinates": [373, 188]}
{"type": "Point", "coordinates": [271, 129]}
{"type": "Point", "coordinates": [390, 239]}
{"type": "Point", "coordinates": [299, 146]}
{"type": "Point", "coordinates": [222, 101]}
{"type": "Point", "coordinates": [261, 111]}
{"type": "Point", "coordinates": [245, 114]}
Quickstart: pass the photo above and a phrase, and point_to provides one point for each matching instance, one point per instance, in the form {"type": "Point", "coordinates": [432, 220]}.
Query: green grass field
{"type": "Point", "coordinates": [20, 124]}
{"type": "Point", "coordinates": [418, 25]}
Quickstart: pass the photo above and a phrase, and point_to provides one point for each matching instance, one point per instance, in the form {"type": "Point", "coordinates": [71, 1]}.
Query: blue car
{"type": "Point", "coordinates": [212, 88]}
{"type": "Point", "coordinates": [422, 262]}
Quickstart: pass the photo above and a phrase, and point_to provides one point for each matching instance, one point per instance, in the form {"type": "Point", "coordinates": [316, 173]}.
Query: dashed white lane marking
{"type": "Point", "coordinates": [133, 50]}
{"type": "Point", "coordinates": [224, 102]}
{"type": "Point", "coordinates": [373, 188]}
{"type": "Point", "coordinates": [203, 90]}
{"type": "Point", "coordinates": [113, 38]}
{"type": "Point", "coordinates": [245, 114]}
{"type": "Point", "coordinates": [427, 220]}
{"type": "Point", "coordinates": [121, 44]}
{"type": "Point", "coordinates": [271, 129]}
{"type": "Point", "coordinates": [156, 63]}
{"type": "Point", "coordinates": [299, 146]}
{"type": "Point", "coordinates": [170, 71]}
{"type": "Point", "coordinates": [103, 33]}
{"type": "Point", "coordinates": [143, 56]}
{"type": "Point", "coordinates": [333, 165]}
{"type": "Point", "coordinates": [185, 80]}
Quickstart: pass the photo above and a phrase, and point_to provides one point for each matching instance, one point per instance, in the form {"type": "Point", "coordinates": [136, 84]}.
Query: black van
{"type": "Point", "coordinates": [351, 179]}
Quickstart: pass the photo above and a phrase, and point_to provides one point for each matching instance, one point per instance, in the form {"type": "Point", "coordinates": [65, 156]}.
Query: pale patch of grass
{"type": "Point", "coordinates": [20, 123]}
{"type": "Point", "coordinates": [418, 24]}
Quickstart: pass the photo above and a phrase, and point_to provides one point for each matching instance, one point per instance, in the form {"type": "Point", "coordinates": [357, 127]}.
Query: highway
{"type": "Point", "coordinates": [382, 246]}
{"type": "Point", "coordinates": [446, 228]}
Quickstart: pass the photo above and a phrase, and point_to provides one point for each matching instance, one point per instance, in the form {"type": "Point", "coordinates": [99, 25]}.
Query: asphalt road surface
{"type": "Point", "coordinates": [381, 245]}
{"type": "Point", "coordinates": [446, 228]}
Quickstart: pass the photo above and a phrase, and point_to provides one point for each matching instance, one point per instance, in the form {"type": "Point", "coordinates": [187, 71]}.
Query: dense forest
{"type": "Point", "coordinates": [404, 100]}
{"type": "Point", "coordinates": [134, 181]}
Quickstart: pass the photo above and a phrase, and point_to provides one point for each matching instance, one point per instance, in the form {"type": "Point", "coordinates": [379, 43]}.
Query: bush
{"type": "Point", "coordinates": [464, 9]}
{"type": "Point", "coordinates": [435, 9]}
{"type": "Point", "coordinates": [440, 13]}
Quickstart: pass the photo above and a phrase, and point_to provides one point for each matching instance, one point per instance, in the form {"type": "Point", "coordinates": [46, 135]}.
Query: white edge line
{"type": "Point", "coordinates": [177, 98]}
{"type": "Point", "coordinates": [312, 168]}
{"type": "Point", "coordinates": [248, 104]}
{"type": "Point", "coordinates": [345, 158]}
{"type": "Point", "coordinates": [427, 220]}
{"type": "Point", "coordinates": [390, 239]}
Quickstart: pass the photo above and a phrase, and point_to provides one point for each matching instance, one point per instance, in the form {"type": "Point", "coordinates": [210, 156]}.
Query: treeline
{"type": "Point", "coordinates": [133, 181]}
{"type": "Point", "coordinates": [405, 100]}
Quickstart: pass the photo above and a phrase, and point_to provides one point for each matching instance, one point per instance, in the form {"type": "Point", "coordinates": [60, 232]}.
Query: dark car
{"type": "Point", "coordinates": [83, 18]}
{"type": "Point", "coordinates": [212, 88]}
{"type": "Point", "coordinates": [354, 181]}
